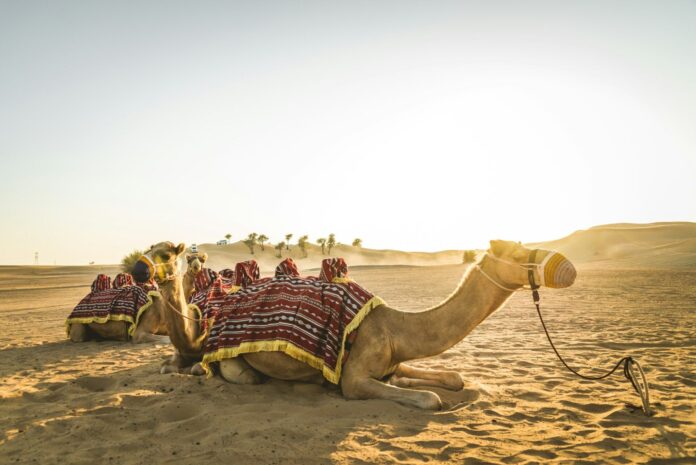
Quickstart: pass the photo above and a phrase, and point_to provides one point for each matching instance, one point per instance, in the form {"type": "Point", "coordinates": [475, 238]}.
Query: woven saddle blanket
{"type": "Point", "coordinates": [308, 318]}
{"type": "Point", "coordinates": [124, 301]}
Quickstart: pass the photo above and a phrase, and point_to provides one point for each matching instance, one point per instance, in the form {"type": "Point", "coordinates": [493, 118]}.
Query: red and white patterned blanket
{"type": "Point", "coordinates": [123, 302]}
{"type": "Point", "coordinates": [308, 318]}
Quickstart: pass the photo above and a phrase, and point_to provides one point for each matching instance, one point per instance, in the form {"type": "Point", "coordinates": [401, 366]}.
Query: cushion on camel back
{"type": "Point", "coordinates": [286, 268]}
{"type": "Point", "coordinates": [334, 270]}
{"type": "Point", "coordinates": [122, 280]}
{"type": "Point", "coordinates": [204, 279]}
{"type": "Point", "coordinates": [101, 283]}
{"type": "Point", "coordinates": [246, 273]}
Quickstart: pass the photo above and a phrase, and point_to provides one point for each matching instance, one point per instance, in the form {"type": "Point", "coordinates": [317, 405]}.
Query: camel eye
{"type": "Point", "coordinates": [166, 256]}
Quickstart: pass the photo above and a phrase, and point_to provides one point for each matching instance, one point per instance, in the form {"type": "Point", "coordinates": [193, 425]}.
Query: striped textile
{"type": "Point", "coordinates": [101, 283]}
{"type": "Point", "coordinates": [122, 304]}
{"type": "Point", "coordinates": [287, 268]}
{"type": "Point", "coordinates": [307, 318]}
{"type": "Point", "coordinates": [123, 279]}
{"type": "Point", "coordinates": [204, 279]}
{"type": "Point", "coordinates": [333, 268]}
{"type": "Point", "coordinates": [246, 273]}
{"type": "Point", "coordinates": [227, 273]}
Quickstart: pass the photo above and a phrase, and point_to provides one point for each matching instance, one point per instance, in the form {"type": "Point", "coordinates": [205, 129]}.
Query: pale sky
{"type": "Point", "coordinates": [412, 125]}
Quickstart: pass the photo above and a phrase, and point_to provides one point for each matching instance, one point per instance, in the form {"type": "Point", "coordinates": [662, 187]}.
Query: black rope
{"type": "Point", "coordinates": [626, 361]}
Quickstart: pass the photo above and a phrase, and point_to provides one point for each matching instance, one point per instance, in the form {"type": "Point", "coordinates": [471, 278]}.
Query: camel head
{"type": "Point", "coordinates": [195, 262]}
{"type": "Point", "coordinates": [512, 263]}
{"type": "Point", "coordinates": [158, 262]}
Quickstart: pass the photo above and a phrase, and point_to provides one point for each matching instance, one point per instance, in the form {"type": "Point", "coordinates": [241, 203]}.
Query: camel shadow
{"type": "Point", "coordinates": [81, 411]}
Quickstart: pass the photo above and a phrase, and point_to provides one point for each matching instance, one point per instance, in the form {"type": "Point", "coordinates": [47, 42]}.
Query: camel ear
{"type": "Point", "coordinates": [497, 247]}
{"type": "Point", "coordinates": [188, 257]}
{"type": "Point", "coordinates": [180, 248]}
{"type": "Point", "coordinates": [203, 257]}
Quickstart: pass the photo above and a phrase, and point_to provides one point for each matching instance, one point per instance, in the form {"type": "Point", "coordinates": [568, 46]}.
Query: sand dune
{"type": "Point", "coordinates": [655, 245]}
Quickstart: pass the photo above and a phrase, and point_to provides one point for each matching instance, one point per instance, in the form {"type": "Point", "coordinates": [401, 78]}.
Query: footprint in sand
{"type": "Point", "coordinates": [95, 383]}
{"type": "Point", "coordinates": [172, 413]}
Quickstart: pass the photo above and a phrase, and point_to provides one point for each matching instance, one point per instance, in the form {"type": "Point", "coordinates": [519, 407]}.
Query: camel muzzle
{"type": "Point", "coordinates": [555, 271]}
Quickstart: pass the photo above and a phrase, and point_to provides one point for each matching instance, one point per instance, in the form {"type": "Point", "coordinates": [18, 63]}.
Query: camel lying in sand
{"type": "Point", "coordinates": [151, 324]}
{"type": "Point", "coordinates": [386, 338]}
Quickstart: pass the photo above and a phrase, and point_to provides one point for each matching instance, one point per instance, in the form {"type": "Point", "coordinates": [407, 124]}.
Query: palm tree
{"type": "Point", "coordinates": [357, 242]}
{"type": "Point", "coordinates": [262, 238]}
{"type": "Point", "coordinates": [279, 248]}
{"type": "Point", "coordinates": [250, 241]}
{"type": "Point", "coordinates": [129, 260]}
{"type": "Point", "coordinates": [469, 256]}
{"type": "Point", "coordinates": [302, 244]}
{"type": "Point", "coordinates": [331, 243]}
{"type": "Point", "coordinates": [322, 242]}
{"type": "Point", "coordinates": [228, 236]}
{"type": "Point", "coordinates": [287, 239]}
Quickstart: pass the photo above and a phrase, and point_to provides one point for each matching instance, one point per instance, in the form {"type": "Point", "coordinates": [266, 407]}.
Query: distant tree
{"type": "Point", "coordinates": [262, 238]}
{"type": "Point", "coordinates": [322, 242]}
{"type": "Point", "coordinates": [251, 241]}
{"type": "Point", "coordinates": [357, 242]}
{"type": "Point", "coordinates": [469, 256]}
{"type": "Point", "coordinates": [302, 244]}
{"type": "Point", "coordinates": [287, 240]}
{"type": "Point", "coordinates": [228, 236]}
{"type": "Point", "coordinates": [331, 242]}
{"type": "Point", "coordinates": [129, 260]}
{"type": "Point", "coordinates": [279, 248]}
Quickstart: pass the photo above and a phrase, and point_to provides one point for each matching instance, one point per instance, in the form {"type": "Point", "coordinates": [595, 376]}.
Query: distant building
{"type": "Point", "coordinates": [222, 242]}
{"type": "Point", "coordinates": [194, 248]}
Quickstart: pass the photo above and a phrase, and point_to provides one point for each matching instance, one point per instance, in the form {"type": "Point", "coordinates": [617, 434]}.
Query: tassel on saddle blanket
{"type": "Point", "coordinates": [308, 318]}
{"type": "Point", "coordinates": [122, 302]}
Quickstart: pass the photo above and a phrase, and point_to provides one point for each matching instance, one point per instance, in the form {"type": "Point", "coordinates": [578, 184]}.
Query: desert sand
{"type": "Point", "coordinates": [106, 402]}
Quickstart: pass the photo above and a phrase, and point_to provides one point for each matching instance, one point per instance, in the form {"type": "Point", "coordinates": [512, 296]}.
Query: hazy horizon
{"type": "Point", "coordinates": [411, 126]}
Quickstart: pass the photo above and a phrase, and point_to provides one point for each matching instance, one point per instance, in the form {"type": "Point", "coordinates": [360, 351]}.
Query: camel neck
{"type": "Point", "coordinates": [183, 332]}
{"type": "Point", "coordinates": [433, 331]}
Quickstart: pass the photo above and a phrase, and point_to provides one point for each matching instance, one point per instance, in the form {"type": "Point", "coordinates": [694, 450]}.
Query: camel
{"type": "Point", "coordinates": [387, 338]}
{"type": "Point", "coordinates": [151, 324]}
{"type": "Point", "coordinates": [195, 263]}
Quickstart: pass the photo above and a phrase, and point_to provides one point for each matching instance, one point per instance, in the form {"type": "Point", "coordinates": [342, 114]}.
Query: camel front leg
{"type": "Point", "coordinates": [370, 388]}
{"type": "Point", "coordinates": [410, 377]}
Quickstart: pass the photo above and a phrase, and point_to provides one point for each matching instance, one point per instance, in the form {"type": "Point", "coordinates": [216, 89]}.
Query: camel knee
{"type": "Point", "coordinates": [453, 381]}
{"type": "Point", "coordinates": [237, 371]}
{"type": "Point", "coordinates": [78, 332]}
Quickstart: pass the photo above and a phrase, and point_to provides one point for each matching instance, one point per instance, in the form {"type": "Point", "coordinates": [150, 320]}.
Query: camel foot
{"type": "Point", "coordinates": [370, 388]}
{"type": "Point", "coordinates": [410, 377]}
{"type": "Point", "coordinates": [197, 370]}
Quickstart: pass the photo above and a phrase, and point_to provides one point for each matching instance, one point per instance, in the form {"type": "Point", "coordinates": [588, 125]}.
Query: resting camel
{"type": "Point", "coordinates": [387, 338]}
{"type": "Point", "coordinates": [151, 324]}
{"type": "Point", "coordinates": [195, 265]}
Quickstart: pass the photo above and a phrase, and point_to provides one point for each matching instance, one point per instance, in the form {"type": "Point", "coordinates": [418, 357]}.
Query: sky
{"type": "Point", "coordinates": [413, 125]}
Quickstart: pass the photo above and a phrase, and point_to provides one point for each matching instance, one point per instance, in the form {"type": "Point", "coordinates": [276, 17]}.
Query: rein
{"type": "Point", "coordinates": [628, 362]}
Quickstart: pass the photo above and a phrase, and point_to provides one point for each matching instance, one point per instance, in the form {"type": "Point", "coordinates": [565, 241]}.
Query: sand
{"type": "Point", "coordinates": [105, 402]}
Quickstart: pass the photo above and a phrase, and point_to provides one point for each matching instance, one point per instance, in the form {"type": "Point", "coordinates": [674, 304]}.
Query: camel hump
{"type": "Point", "coordinates": [101, 283]}
{"type": "Point", "coordinates": [246, 273]}
{"type": "Point", "coordinates": [333, 268]}
{"type": "Point", "coordinates": [122, 280]}
{"type": "Point", "coordinates": [287, 268]}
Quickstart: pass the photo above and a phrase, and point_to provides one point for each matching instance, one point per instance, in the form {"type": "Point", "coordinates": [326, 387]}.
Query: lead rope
{"type": "Point", "coordinates": [628, 364]}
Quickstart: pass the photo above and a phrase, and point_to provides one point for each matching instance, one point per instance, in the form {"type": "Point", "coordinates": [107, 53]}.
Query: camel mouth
{"type": "Point", "coordinates": [559, 272]}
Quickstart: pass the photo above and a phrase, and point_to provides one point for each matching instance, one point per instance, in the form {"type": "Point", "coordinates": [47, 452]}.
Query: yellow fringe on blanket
{"type": "Point", "coordinates": [126, 318]}
{"type": "Point", "coordinates": [294, 351]}
{"type": "Point", "coordinates": [341, 280]}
